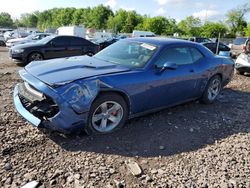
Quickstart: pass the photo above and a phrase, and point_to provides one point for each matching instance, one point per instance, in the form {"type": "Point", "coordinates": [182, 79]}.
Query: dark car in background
{"type": "Point", "coordinates": [237, 46]}
{"type": "Point", "coordinates": [213, 47]}
{"type": "Point", "coordinates": [53, 47]}
{"type": "Point", "coordinates": [105, 43]}
{"type": "Point", "coordinates": [199, 39]}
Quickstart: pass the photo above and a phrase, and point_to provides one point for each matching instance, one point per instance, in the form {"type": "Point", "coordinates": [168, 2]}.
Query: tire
{"type": "Point", "coordinates": [35, 56]}
{"type": "Point", "coordinates": [2, 43]}
{"type": "Point", "coordinates": [239, 72]}
{"type": "Point", "coordinates": [102, 119]}
{"type": "Point", "coordinates": [90, 54]}
{"type": "Point", "coordinates": [212, 90]}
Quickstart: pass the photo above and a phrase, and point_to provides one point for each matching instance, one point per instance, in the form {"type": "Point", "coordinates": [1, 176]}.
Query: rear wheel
{"type": "Point", "coordinates": [35, 56]}
{"type": "Point", "coordinates": [108, 113]}
{"type": "Point", "coordinates": [212, 90]}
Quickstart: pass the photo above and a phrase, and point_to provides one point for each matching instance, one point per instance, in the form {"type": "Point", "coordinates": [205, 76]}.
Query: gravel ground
{"type": "Point", "coordinates": [191, 145]}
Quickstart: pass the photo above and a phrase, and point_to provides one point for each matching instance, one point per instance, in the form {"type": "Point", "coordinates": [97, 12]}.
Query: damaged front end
{"type": "Point", "coordinates": [37, 103]}
{"type": "Point", "coordinates": [63, 108]}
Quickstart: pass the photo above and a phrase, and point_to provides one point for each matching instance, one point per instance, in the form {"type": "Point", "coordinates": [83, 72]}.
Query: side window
{"type": "Point", "coordinates": [178, 55]}
{"type": "Point", "coordinates": [42, 36]}
{"type": "Point", "coordinates": [197, 55]}
{"type": "Point", "coordinates": [79, 41]}
{"type": "Point", "coordinates": [223, 47]}
{"type": "Point", "coordinates": [61, 41]}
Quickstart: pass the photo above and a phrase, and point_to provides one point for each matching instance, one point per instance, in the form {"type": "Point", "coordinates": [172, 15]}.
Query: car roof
{"type": "Point", "coordinates": [67, 36]}
{"type": "Point", "coordinates": [160, 41]}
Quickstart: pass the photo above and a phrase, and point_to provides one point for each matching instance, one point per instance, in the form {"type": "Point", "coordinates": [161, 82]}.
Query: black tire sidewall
{"type": "Point", "coordinates": [29, 57]}
{"type": "Point", "coordinates": [204, 98]}
{"type": "Point", "coordinates": [99, 100]}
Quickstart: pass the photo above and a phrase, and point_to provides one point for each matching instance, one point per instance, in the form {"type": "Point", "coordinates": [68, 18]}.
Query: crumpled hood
{"type": "Point", "coordinates": [64, 70]}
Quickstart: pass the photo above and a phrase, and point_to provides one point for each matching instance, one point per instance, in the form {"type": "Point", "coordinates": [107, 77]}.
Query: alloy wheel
{"type": "Point", "coordinates": [107, 116]}
{"type": "Point", "coordinates": [36, 57]}
{"type": "Point", "coordinates": [214, 89]}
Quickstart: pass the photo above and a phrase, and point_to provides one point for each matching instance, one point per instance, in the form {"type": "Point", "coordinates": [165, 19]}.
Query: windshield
{"type": "Point", "coordinates": [45, 40]}
{"type": "Point", "coordinates": [128, 53]}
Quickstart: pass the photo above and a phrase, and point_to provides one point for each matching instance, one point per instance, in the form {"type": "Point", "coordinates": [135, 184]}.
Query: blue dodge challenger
{"type": "Point", "coordinates": [127, 79]}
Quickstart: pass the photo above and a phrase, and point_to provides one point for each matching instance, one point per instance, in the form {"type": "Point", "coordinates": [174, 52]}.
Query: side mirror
{"type": "Point", "coordinates": [168, 65]}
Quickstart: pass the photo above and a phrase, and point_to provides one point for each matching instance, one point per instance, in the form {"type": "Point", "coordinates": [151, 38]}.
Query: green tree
{"type": "Point", "coordinates": [29, 20]}
{"type": "Point", "coordinates": [190, 26]}
{"type": "Point", "coordinates": [157, 24]}
{"type": "Point", "coordinates": [82, 17]}
{"type": "Point", "coordinates": [210, 29]}
{"type": "Point", "coordinates": [45, 19]}
{"type": "Point", "coordinates": [5, 20]}
{"type": "Point", "coordinates": [99, 16]}
{"type": "Point", "coordinates": [247, 31]}
{"type": "Point", "coordinates": [236, 19]}
{"type": "Point", "coordinates": [132, 20]}
{"type": "Point", "coordinates": [117, 21]}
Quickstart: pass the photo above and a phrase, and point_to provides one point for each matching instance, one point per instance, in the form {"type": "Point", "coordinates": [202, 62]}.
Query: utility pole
{"type": "Point", "coordinates": [218, 43]}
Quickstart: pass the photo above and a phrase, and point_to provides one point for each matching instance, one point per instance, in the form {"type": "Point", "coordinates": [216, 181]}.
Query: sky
{"type": "Point", "coordinates": [212, 10]}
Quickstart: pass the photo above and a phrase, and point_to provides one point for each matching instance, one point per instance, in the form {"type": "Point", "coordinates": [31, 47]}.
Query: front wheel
{"type": "Point", "coordinates": [107, 113]}
{"type": "Point", "coordinates": [212, 90]}
{"type": "Point", "coordinates": [35, 56]}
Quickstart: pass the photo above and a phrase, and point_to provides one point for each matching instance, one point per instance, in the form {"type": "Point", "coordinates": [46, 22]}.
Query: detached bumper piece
{"type": "Point", "coordinates": [33, 105]}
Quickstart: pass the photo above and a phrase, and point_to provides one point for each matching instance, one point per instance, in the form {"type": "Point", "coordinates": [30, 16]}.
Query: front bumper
{"type": "Point", "coordinates": [66, 120]}
{"type": "Point", "coordinates": [17, 56]}
{"type": "Point", "coordinates": [22, 111]}
{"type": "Point", "coordinates": [243, 65]}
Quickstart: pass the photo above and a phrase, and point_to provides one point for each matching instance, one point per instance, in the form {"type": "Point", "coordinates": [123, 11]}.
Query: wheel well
{"type": "Point", "coordinates": [123, 95]}
{"type": "Point", "coordinates": [218, 74]}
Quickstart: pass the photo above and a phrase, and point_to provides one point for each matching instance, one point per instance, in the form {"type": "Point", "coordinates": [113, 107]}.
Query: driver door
{"type": "Point", "coordinates": [173, 86]}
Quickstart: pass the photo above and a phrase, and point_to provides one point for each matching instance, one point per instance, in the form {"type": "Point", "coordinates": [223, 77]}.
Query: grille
{"type": "Point", "coordinates": [40, 107]}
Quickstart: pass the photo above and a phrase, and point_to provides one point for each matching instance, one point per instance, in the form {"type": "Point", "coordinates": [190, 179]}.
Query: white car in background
{"type": "Point", "coordinates": [30, 38]}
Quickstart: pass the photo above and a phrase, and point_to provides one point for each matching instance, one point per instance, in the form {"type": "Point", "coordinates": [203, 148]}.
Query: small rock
{"type": "Point", "coordinates": [52, 182]}
{"type": "Point", "coordinates": [77, 176]}
{"type": "Point", "coordinates": [154, 171]}
{"type": "Point", "coordinates": [134, 168]}
{"type": "Point", "coordinates": [111, 171]}
{"type": "Point", "coordinates": [161, 147]}
{"type": "Point", "coordinates": [70, 179]}
{"type": "Point", "coordinates": [120, 184]}
{"type": "Point", "coordinates": [28, 176]}
{"type": "Point", "coordinates": [92, 175]}
{"type": "Point", "coordinates": [148, 178]}
{"type": "Point", "coordinates": [57, 173]}
{"type": "Point", "coordinates": [7, 166]}
{"type": "Point", "coordinates": [32, 184]}
{"type": "Point", "coordinates": [7, 73]}
{"type": "Point", "coordinates": [223, 185]}
{"type": "Point", "coordinates": [161, 172]}
{"type": "Point", "coordinates": [8, 181]}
